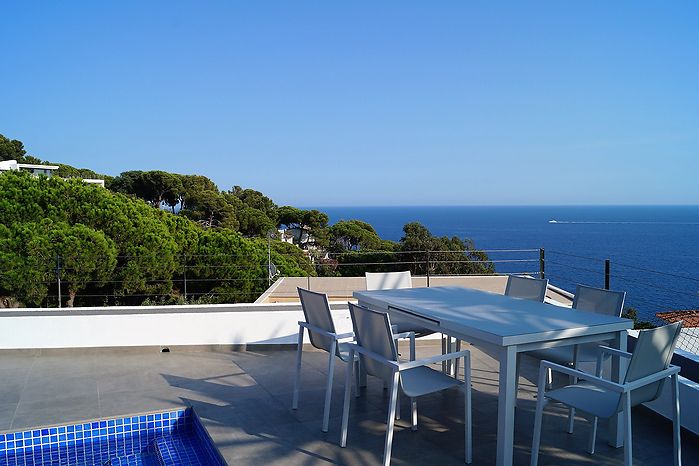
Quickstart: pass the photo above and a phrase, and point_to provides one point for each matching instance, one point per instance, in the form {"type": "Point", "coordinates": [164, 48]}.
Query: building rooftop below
{"type": "Point", "coordinates": [14, 165]}
{"type": "Point", "coordinates": [689, 318]}
{"type": "Point", "coordinates": [244, 398]}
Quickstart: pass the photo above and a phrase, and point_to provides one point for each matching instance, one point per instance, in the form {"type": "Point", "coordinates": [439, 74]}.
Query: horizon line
{"type": "Point", "coordinates": [493, 205]}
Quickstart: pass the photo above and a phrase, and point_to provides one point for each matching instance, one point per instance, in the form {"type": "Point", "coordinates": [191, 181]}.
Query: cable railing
{"type": "Point", "coordinates": [228, 278]}
{"type": "Point", "coordinates": [649, 291]}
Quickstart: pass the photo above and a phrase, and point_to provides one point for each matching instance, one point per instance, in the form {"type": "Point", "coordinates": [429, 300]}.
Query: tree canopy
{"type": "Point", "coordinates": [11, 149]}
{"type": "Point", "coordinates": [117, 246]}
{"type": "Point", "coordinates": [441, 255]}
{"type": "Point", "coordinates": [160, 237]}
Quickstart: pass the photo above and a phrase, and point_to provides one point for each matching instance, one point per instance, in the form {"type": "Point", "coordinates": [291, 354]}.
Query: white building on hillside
{"type": "Point", "coordinates": [35, 169]}
{"type": "Point", "coordinates": [9, 165]}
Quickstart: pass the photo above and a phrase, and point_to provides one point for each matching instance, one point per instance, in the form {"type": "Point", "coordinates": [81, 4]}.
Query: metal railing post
{"type": "Point", "coordinates": [607, 273]}
{"type": "Point", "coordinates": [58, 278]}
{"type": "Point", "coordinates": [184, 274]}
{"type": "Point", "coordinates": [542, 264]}
{"type": "Point", "coordinates": [427, 270]}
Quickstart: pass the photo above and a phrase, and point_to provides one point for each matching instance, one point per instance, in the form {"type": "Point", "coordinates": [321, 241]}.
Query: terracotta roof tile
{"type": "Point", "coordinates": [690, 318]}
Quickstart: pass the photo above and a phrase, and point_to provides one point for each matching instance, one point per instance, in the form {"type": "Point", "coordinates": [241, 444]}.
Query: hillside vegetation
{"type": "Point", "coordinates": [159, 237]}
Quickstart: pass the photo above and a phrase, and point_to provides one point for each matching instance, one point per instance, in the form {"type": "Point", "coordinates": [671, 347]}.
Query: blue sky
{"type": "Point", "coordinates": [367, 103]}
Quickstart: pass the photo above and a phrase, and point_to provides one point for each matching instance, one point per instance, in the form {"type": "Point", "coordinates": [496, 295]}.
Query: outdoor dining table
{"type": "Point", "coordinates": [508, 326]}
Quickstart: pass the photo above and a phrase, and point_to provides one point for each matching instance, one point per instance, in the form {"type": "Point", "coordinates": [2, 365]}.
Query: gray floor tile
{"type": "Point", "coordinates": [132, 402]}
{"type": "Point", "coordinates": [58, 388]}
{"type": "Point", "coordinates": [244, 401]}
{"type": "Point", "coordinates": [7, 413]}
{"type": "Point", "coordinates": [53, 411]}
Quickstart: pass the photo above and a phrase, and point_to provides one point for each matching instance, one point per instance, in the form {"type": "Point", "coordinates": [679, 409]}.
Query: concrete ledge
{"type": "Point", "coordinates": [172, 326]}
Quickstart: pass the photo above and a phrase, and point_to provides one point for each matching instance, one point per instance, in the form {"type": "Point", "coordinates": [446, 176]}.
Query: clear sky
{"type": "Point", "coordinates": [366, 103]}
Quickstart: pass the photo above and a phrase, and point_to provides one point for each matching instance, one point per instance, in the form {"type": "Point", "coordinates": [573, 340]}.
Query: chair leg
{"type": "Point", "coordinates": [517, 364]}
{"type": "Point", "coordinates": [444, 351]}
{"type": "Point", "coordinates": [398, 405]}
{"type": "Point", "coordinates": [329, 386]}
{"type": "Point", "coordinates": [573, 381]}
{"type": "Point", "coordinates": [593, 436]}
{"type": "Point", "coordinates": [628, 445]}
{"type": "Point", "coordinates": [571, 420]}
{"type": "Point", "coordinates": [412, 346]}
{"type": "Point", "coordinates": [676, 421]}
{"type": "Point", "coordinates": [391, 419]}
{"type": "Point", "coordinates": [357, 379]}
{"type": "Point", "coordinates": [297, 378]}
{"type": "Point", "coordinates": [456, 361]}
{"type": "Point", "coordinates": [549, 378]}
{"type": "Point", "coordinates": [468, 420]}
{"type": "Point", "coordinates": [538, 415]}
{"type": "Point", "coordinates": [346, 404]}
{"type": "Point", "coordinates": [413, 408]}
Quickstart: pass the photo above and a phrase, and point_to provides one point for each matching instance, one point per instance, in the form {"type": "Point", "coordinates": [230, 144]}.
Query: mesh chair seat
{"type": "Point", "coordinates": [588, 398]}
{"type": "Point", "coordinates": [423, 380]}
{"type": "Point", "coordinates": [564, 354]}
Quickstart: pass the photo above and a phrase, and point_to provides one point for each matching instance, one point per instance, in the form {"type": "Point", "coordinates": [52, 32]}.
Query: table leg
{"type": "Point", "coordinates": [506, 405]}
{"type": "Point", "coordinates": [616, 423]}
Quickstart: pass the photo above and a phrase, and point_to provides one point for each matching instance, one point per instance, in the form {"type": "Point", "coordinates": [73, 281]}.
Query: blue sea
{"type": "Point", "coordinates": [654, 250]}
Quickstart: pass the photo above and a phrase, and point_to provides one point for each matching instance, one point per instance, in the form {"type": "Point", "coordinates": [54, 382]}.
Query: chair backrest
{"type": "Point", "coordinates": [388, 280]}
{"type": "Point", "coordinates": [372, 331]}
{"type": "Point", "coordinates": [316, 309]}
{"type": "Point", "coordinates": [599, 301]}
{"type": "Point", "coordinates": [533, 289]}
{"type": "Point", "coordinates": [652, 353]}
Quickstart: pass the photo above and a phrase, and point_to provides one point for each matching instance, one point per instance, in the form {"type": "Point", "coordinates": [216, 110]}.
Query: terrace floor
{"type": "Point", "coordinates": [244, 398]}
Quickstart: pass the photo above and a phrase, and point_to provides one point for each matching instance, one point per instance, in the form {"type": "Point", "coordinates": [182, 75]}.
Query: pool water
{"type": "Point", "coordinates": [171, 438]}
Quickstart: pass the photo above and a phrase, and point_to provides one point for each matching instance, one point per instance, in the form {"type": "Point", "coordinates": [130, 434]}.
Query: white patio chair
{"type": "Point", "coordinates": [401, 280]}
{"type": "Point", "coordinates": [589, 299]}
{"type": "Point", "coordinates": [322, 334]}
{"type": "Point", "coordinates": [648, 369]}
{"type": "Point", "coordinates": [379, 357]}
{"type": "Point", "coordinates": [533, 289]}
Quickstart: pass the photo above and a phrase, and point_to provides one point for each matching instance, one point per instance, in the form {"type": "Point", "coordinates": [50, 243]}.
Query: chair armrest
{"type": "Point", "coordinates": [600, 382]}
{"type": "Point", "coordinates": [313, 328]}
{"type": "Point", "coordinates": [342, 336]}
{"type": "Point", "coordinates": [371, 355]}
{"type": "Point", "coordinates": [671, 370]}
{"type": "Point", "coordinates": [399, 336]}
{"type": "Point", "coordinates": [614, 352]}
{"type": "Point", "coordinates": [602, 350]}
{"type": "Point", "coordinates": [434, 359]}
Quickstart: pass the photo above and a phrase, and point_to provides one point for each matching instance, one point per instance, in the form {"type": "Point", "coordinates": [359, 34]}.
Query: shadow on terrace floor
{"type": "Point", "coordinates": [244, 399]}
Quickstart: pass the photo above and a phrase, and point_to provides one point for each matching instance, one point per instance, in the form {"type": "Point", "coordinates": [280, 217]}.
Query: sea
{"type": "Point", "coordinates": [653, 250]}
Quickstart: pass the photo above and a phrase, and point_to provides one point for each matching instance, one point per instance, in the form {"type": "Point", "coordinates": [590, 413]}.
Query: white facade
{"type": "Point", "coordinates": [35, 169]}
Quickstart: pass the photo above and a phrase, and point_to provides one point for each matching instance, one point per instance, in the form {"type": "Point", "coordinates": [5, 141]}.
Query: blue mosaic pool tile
{"type": "Point", "coordinates": [136, 459]}
{"type": "Point", "coordinates": [126, 441]}
{"type": "Point", "coordinates": [211, 453]}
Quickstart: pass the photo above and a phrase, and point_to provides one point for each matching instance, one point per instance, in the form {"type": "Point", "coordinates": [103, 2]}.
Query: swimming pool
{"type": "Point", "coordinates": [170, 438]}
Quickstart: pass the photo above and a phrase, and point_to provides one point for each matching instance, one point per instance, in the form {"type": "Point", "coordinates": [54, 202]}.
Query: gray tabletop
{"type": "Point", "coordinates": [490, 317]}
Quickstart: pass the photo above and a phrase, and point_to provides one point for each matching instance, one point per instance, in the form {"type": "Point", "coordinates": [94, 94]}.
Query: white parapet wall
{"type": "Point", "coordinates": [689, 399]}
{"type": "Point", "coordinates": [223, 324]}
